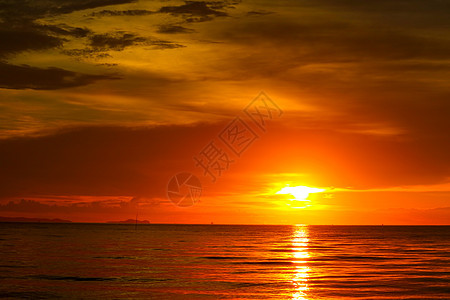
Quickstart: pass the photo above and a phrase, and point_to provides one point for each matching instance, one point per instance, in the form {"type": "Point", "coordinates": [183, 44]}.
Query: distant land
{"type": "Point", "coordinates": [32, 220]}
{"type": "Point", "coordinates": [129, 221]}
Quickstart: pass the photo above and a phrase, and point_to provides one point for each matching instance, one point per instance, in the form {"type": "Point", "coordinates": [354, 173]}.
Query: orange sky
{"type": "Point", "coordinates": [102, 102]}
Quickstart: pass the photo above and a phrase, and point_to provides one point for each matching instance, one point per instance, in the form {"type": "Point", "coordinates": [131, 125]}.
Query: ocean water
{"type": "Point", "coordinates": [104, 261]}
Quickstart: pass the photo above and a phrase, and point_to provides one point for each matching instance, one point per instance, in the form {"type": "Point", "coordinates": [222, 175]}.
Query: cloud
{"type": "Point", "coordinates": [114, 41]}
{"type": "Point", "coordinates": [193, 8]}
{"type": "Point", "coordinates": [196, 11]}
{"type": "Point", "coordinates": [84, 208]}
{"type": "Point", "coordinates": [27, 77]}
{"type": "Point", "coordinates": [172, 29]}
{"type": "Point", "coordinates": [333, 41]}
{"type": "Point", "coordinates": [101, 44]}
{"type": "Point", "coordinates": [21, 10]}
{"type": "Point", "coordinates": [259, 13]}
{"type": "Point", "coordinates": [435, 7]}
{"type": "Point", "coordinates": [30, 36]}
{"type": "Point", "coordinates": [118, 41]}
{"type": "Point", "coordinates": [357, 67]}
{"type": "Point", "coordinates": [91, 53]}
{"type": "Point", "coordinates": [20, 31]}
{"type": "Point", "coordinates": [15, 40]}
{"type": "Point", "coordinates": [119, 204]}
{"type": "Point", "coordinates": [115, 13]}
{"type": "Point", "coordinates": [63, 29]}
{"type": "Point", "coordinates": [163, 44]}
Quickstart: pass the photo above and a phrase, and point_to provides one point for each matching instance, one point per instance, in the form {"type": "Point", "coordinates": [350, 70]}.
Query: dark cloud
{"type": "Point", "coordinates": [114, 41]}
{"type": "Point", "coordinates": [27, 77]}
{"type": "Point", "coordinates": [196, 11]}
{"type": "Point", "coordinates": [90, 53]}
{"type": "Point", "coordinates": [66, 30]}
{"type": "Point", "coordinates": [193, 8]}
{"type": "Point", "coordinates": [21, 10]}
{"type": "Point", "coordinates": [77, 5]}
{"type": "Point", "coordinates": [369, 74]}
{"type": "Point", "coordinates": [34, 37]}
{"type": "Point", "coordinates": [101, 44]}
{"type": "Point", "coordinates": [116, 13]}
{"type": "Point", "coordinates": [27, 206]}
{"type": "Point", "coordinates": [172, 29]}
{"type": "Point", "coordinates": [336, 40]}
{"type": "Point", "coordinates": [20, 32]}
{"type": "Point", "coordinates": [108, 65]}
{"type": "Point", "coordinates": [118, 41]}
{"type": "Point", "coordinates": [15, 40]}
{"type": "Point", "coordinates": [76, 207]}
{"type": "Point", "coordinates": [162, 44]}
{"type": "Point", "coordinates": [223, 4]}
{"type": "Point", "coordinates": [385, 6]}
{"type": "Point", "coordinates": [84, 209]}
{"type": "Point", "coordinates": [345, 53]}
{"type": "Point", "coordinates": [259, 13]}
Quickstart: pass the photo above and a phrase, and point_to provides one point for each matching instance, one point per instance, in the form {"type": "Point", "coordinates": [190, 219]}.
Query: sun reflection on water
{"type": "Point", "coordinates": [300, 256]}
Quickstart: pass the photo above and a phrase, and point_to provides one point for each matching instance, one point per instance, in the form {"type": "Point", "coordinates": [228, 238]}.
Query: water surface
{"type": "Point", "coordinates": [93, 261]}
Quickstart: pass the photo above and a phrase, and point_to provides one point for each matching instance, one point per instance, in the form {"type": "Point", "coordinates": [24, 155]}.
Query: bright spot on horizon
{"type": "Point", "coordinates": [300, 194]}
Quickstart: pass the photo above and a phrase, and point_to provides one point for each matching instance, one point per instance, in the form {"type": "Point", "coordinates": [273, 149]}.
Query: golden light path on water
{"type": "Point", "coordinates": [300, 255]}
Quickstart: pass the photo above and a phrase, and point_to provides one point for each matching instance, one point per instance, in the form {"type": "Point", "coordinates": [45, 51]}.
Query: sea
{"type": "Point", "coordinates": [160, 261]}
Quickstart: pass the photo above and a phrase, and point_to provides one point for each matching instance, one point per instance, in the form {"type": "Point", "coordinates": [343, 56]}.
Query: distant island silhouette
{"type": "Point", "coordinates": [129, 221]}
{"type": "Point", "coordinates": [32, 220]}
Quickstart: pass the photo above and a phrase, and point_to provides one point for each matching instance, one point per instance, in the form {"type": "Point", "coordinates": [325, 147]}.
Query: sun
{"type": "Point", "coordinates": [300, 194]}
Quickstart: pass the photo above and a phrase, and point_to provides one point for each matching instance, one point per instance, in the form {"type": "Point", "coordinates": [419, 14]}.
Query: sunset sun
{"type": "Point", "coordinates": [300, 194]}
